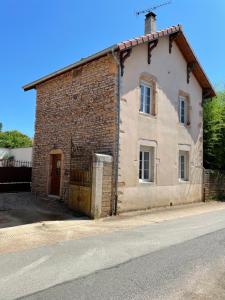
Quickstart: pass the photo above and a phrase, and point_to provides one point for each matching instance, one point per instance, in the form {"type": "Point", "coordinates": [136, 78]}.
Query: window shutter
{"type": "Point", "coordinates": [185, 111]}
{"type": "Point", "coordinates": [153, 102]}
{"type": "Point", "coordinates": [142, 98]}
{"type": "Point", "coordinates": [140, 165]}
{"type": "Point", "coordinates": [152, 170]}
{"type": "Point", "coordinates": [187, 165]}
{"type": "Point", "coordinates": [148, 99]}
{"type": "Point", "coordinates": [179, 173]}
{"type": "Point", "coordinates": [188, 112]}
{"type": "Point", "coordinates": [179, 108]}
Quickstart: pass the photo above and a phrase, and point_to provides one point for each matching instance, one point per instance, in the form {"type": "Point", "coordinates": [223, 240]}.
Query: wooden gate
{"type": "Point", "coordinates": [80, 181]}
{"type": "Point", "coordinates": [80, 192]}
{"type": "Point", "coordinates": [15, 176]}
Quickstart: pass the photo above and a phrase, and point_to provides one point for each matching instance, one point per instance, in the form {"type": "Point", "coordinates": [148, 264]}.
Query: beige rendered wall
{"type": "Point", "coordinates": [162, 131]}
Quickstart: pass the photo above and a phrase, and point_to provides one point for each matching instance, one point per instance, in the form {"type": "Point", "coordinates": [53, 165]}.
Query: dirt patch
{"type": "Point", "coordinates": [23, 208]}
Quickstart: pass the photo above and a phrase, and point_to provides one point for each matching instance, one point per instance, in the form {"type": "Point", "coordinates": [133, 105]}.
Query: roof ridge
{"type": "Point", "coordinates": [147, 37]}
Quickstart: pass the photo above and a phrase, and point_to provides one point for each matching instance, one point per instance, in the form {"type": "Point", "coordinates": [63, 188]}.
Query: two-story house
{"type": "Point", "coordinates": [122, 129]}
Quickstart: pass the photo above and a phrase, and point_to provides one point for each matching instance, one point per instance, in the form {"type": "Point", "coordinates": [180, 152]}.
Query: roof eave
{"type": "Point", "coordinates": [210, 89]}
{"type": "Point", "coordinates": [33, 84]}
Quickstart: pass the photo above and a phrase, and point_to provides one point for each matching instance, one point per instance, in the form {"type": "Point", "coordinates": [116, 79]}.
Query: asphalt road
{"type": "Point", "coordinates": [177, 259]}
{"type": "Point", "coordinates": [190, 270]}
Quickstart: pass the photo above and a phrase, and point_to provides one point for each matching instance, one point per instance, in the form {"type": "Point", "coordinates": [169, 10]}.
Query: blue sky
{"type": "Point", "coordinates": [41, 36]}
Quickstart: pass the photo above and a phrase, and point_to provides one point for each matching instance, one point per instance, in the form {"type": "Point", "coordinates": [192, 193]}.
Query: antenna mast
{"type": "Point", "coordinates": [152, 8]}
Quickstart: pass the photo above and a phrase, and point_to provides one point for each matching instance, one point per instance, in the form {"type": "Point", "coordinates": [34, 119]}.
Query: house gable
{"type": "Point", "coordinates": [161, 131]}
{"type": "Point", "coordinates": [123, 50]}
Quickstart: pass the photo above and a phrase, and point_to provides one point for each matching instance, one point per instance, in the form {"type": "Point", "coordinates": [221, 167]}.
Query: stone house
{"type": "Point", "coordinates": [121, 130]}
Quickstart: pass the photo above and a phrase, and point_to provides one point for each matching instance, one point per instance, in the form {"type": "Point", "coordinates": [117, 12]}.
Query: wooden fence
{"type": "Point", "coordinates": [79, 177]}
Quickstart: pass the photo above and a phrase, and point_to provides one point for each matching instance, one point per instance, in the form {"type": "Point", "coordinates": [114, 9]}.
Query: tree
{"type": "Point", "coordinates": [214, 132]}
{"type": "Point", "coordinates": [0, 127]}
{"type": "Point", "coordinates": [14, 139]}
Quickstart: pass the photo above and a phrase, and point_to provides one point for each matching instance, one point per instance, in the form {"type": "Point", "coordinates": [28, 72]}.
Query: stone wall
{"type": "Point", "coordinates": [214, 185]}
{"type": "Point", "coordinates": [106, 189]}
{"type": "Point", "coordinates": [102, 185]}
{"type": "Point", "coordinates": [76, 108]}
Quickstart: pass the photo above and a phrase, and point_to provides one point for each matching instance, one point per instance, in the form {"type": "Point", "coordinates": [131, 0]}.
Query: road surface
{"type": "Point", "coordinates": [178, 259]}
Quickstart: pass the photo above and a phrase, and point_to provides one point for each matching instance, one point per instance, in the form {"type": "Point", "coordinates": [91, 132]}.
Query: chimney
{"type": "Point", "coordinates": [150, 20]}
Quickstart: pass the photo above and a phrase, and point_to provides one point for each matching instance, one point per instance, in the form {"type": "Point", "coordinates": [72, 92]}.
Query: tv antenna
{"type": "Point", "coordinates": [146, 11]}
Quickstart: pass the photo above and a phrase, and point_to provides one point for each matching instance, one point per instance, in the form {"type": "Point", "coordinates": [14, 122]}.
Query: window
{"type": "Point", "coordinates": [183, 110]}
{"type": "Point", "coordinates": [145, 105]}
{"type": "Point", "coordinates": [183, 165]}
{"type": "Point", "coordinates": [146, 164]}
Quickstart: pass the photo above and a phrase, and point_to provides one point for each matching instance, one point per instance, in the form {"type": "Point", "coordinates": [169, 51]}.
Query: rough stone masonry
{"type": "Point", "coordinates": [76, 107]}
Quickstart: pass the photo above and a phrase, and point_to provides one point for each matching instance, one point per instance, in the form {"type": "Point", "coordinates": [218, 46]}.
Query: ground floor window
{"type": "Point", "coordinates": [146, 164]}
{"type": "Point", "coordinates": [183, 165]}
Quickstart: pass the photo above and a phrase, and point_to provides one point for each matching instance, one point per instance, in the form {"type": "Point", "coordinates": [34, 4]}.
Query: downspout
{"type": "Point", "coordinates": [116, 165]}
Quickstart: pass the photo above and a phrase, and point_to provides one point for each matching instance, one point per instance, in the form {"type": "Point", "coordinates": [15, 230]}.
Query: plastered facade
{"type": "Point", "coordinates": [162, 131]}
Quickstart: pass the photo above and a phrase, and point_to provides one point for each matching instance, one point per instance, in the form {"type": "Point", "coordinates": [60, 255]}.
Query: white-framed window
{"type": "Point", "coordinates": [146, 98]}
{"type": "Point", "coordinates": [183, 165]}
{"type": "Point", "coordinates": [146, 164]}
{"type": "Point", "coordinates": [183, 110]}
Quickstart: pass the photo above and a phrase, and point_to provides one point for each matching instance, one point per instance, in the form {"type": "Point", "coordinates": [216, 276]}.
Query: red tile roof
{"type": "Point", "coordinates": [185, 49]}
{"type": "Point", "coordinates": [148, 37]}
{"type": "Point", "coordinates": [181, 42]}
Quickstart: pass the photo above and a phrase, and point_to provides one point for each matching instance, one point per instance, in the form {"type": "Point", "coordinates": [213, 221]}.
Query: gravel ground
{"type": "Point", "coordinates": [24, 208]}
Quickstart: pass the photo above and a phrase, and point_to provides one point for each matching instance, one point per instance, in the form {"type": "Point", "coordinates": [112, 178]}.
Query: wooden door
{"type": "Point", "coordinates": [55, 174]}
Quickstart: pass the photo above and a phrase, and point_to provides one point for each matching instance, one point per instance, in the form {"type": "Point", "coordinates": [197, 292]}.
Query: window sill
{"type": "Point", "coordinates": [151, 116]}
{"type": "Point", "coordinates": [146, 182]}
{"type": "Point", "coordinates": [185, 125]}
{"type": "Point", "coordinates": [183, 181]}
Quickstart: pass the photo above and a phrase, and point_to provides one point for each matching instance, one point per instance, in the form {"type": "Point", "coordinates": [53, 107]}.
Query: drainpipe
{"type": "Point", "coordinates": [116, 164]}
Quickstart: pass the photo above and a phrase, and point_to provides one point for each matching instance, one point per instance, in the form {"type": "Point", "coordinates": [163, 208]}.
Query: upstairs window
{"type": "Point", "coordinates": [184, 110]}
{"type": "Point", "coordinates": [146, 98]}
{"type": "Point", "coordinates": [183, 165]}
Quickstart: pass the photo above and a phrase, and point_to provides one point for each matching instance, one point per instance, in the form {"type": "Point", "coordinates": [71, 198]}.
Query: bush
{"type": "Point", "coordinates": [14, 139]}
